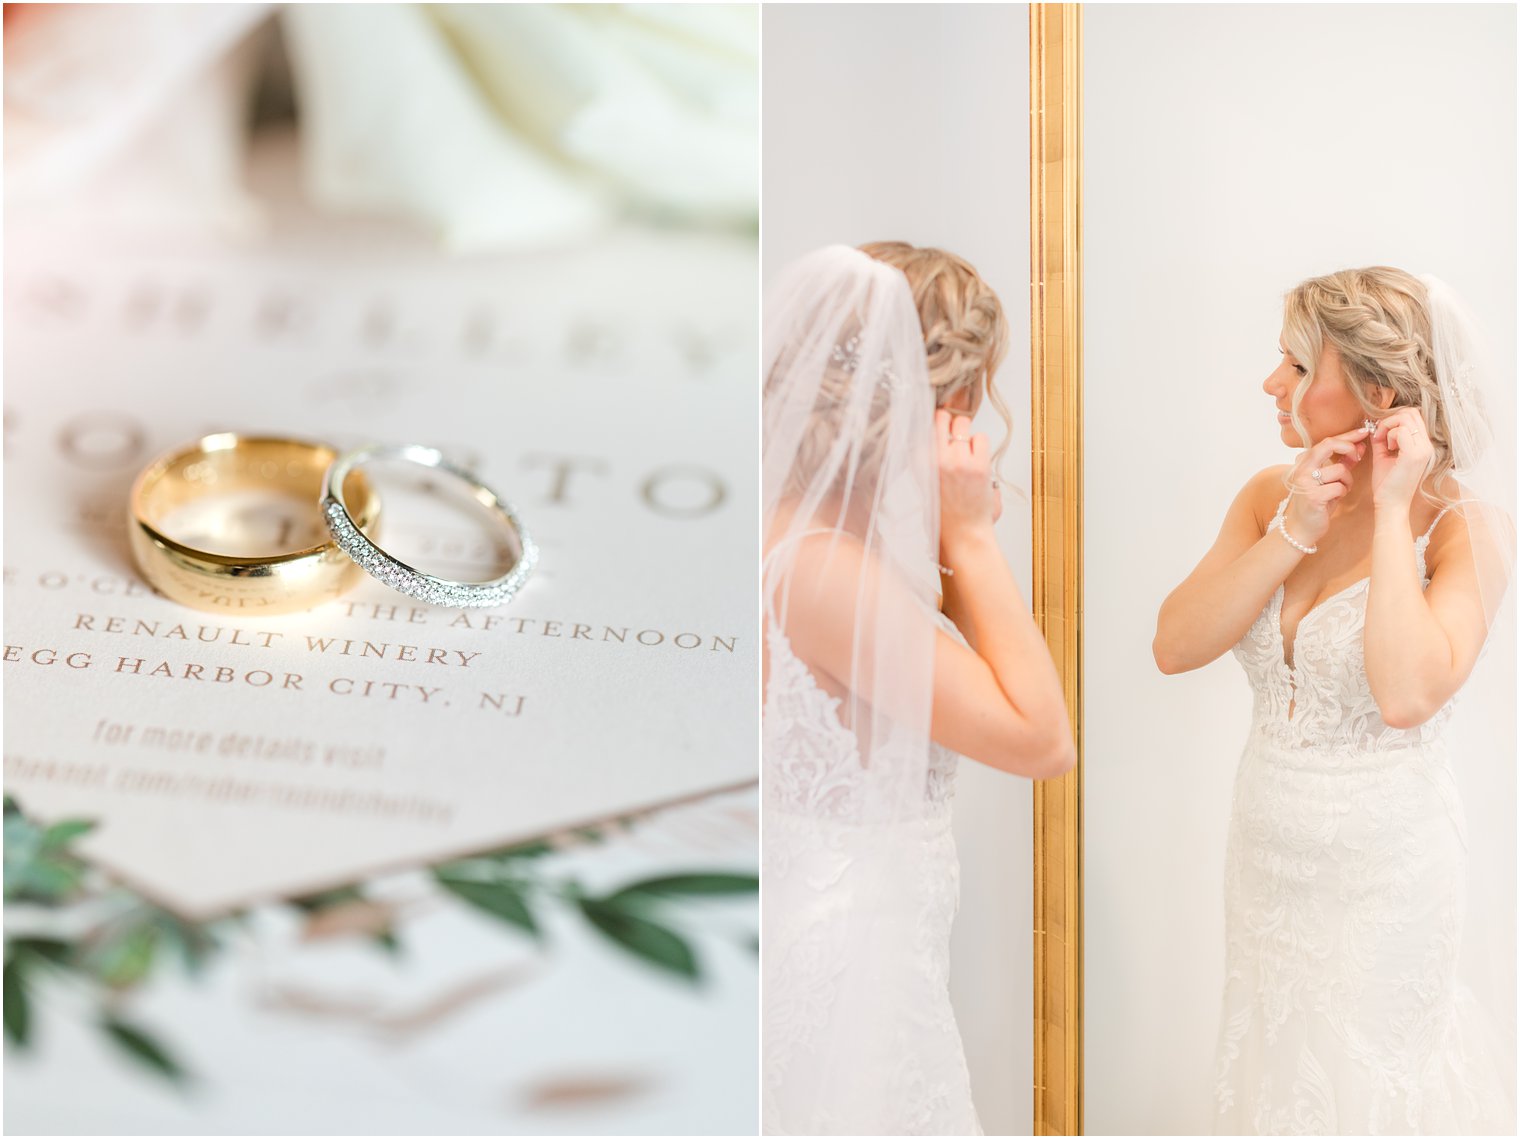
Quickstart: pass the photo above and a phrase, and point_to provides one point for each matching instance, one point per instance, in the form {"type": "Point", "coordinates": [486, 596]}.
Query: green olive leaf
{"type": "Point", "coordinates": [502, 900]}
{"type": "Point", "coordinates": [62, 833]}
{"type": "Point", "coordinates": [126, 956]}
{"type": "Point", "coordinates": [18, 1005]}
{"type": "Point", "coordinates": [143, 1048]}
{"type": "Point", "coordinates": [648, 940]}
{"type": "Point", "coordinates": [688, 886]}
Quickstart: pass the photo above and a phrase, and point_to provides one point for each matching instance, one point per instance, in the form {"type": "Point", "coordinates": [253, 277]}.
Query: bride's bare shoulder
{"type": "Point", "coordinates": [830, 555]}
{"type": "Point", "coordinates": [1263, 492]}
{"type": "Point", "coordinates": [1270, 482]}
{"type": "Point", "coordinates": [1470, 530]}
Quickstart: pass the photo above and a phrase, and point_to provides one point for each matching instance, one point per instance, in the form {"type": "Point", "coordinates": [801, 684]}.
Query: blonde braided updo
{"type": "Point", "coordinates": [965, 330]}
{"type": "Point", "coordinates": [1378, 321]}
{"type": "Point", "coordinates": [965, 339]}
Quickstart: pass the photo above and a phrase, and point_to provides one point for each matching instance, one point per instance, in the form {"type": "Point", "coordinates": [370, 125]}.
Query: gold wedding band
{"type": "Point", "coordinates": [261, 585]}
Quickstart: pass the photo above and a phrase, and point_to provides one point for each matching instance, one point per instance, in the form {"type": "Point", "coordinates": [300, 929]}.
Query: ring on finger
{"type": "Point", "coordinates": [1318, 476]}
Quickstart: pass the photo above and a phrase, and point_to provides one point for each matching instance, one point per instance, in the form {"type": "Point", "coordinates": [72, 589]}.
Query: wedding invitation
{"type": "Point", "coordinates": [608, 392]}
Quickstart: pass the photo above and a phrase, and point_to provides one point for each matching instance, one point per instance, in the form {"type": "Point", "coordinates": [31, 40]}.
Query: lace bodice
{"type": "Point", "coordinates": [812, 764]}
{"type": "Point", "coordinates": [1322, 701]}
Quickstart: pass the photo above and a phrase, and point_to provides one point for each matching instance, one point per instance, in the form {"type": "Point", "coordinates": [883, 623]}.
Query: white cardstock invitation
{"type": "Point", "coordinates": [608, 392]}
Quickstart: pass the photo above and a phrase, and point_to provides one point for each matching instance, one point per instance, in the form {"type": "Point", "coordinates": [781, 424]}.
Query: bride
{"type": "Point", "coordinates": [877, 503]}
{"type": "Point", "coordinates": [1356, 586]}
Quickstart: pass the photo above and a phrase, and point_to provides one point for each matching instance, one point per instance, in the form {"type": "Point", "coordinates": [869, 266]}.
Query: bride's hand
{"type": "Point", "coordinates": [968, 501]}
{"type": "Point", "coordinates": [1401, 455]}
{"type": "Point", "coordinates": [1313, 499]}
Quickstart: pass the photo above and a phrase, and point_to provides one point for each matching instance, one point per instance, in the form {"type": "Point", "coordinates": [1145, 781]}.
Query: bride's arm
{"type": "Point", "coordinates": [1211, 610]}
{"type": "Point", "coordinates": [1017, 721]}
{"type": "Point", "coordinates": [1419, 645]}
{"type": "Point", "coordinates": [972, 710]}
{"type": "Point", "coordinates": [999, 704]}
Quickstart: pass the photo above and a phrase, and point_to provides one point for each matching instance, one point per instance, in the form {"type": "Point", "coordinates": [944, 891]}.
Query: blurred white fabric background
{"type": "Point", "coordinates": [493, 127]}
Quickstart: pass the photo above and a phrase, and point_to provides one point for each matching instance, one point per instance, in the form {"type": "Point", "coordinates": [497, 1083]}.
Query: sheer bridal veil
{"type": "Point", "coordinates": [1478, 418]}
{"type": "Point", "coordinates": [857, 873]}
{"type": "Point", "coordinates": [1483, 467]}
{"type": "Point", "coordinates": [851, 506]}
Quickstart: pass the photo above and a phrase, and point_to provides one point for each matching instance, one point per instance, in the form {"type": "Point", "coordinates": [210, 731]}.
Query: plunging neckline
{"type": "Point", "coordinates": [1281, 596]}
{"type": "Point", "coordinates": [1291, 667]}
{"type": "Point", "coordinates": [1283, 646]}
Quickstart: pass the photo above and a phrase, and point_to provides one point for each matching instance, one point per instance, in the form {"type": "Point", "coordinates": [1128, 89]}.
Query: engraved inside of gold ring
{"type": "Point", "coordinates": [228, 463]}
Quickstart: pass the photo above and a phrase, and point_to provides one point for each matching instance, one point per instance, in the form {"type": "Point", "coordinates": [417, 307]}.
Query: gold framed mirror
{"type": "Point", "coordinates": [1055, 146]}
{"type": "Point", "coordinates": [1185, 309]}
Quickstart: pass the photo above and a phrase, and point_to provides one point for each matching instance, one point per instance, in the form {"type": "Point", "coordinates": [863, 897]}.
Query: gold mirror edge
{"type": "Point", "coordinates": [1055, 66]}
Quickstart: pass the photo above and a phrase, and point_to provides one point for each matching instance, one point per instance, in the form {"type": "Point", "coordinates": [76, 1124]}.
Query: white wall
{"type": "Point", "coordinates": [1230, 152]}
{"type": "Point", "coordinates": [911, 122]}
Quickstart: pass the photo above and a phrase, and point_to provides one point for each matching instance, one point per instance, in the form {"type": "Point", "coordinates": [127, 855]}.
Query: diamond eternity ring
{"type": "Point", "coordinates": [397, 574]}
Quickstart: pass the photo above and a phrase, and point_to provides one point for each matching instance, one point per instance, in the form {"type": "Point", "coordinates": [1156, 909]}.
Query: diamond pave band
{"type": "Point", "coordinates": [397, 574]}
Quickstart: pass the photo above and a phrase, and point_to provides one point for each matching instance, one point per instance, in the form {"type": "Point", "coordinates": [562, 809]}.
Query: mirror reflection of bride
{"type": "Point", "coordinates": [878, 504]}
{"type": "Point", "coordinates": [1357, 587]}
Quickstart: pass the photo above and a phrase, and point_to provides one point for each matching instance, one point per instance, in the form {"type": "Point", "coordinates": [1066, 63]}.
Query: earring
{"type": "Point", "coordinates": [1369, 426]}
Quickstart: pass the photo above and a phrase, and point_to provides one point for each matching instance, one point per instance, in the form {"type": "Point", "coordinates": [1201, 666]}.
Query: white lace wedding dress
{"type": "Point", "coordinates": [1344, 895]}
{"type": "Point", "coordinates": [859, 1037]}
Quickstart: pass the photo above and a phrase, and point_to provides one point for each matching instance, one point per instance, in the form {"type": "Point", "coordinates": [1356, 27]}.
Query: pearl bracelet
{"type": "Point", "coordinates": [1282, 528]}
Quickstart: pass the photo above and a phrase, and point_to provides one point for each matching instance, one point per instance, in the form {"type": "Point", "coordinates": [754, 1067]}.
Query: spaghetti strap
{"type": "Point", "coordinates": [797, 537]}
{"type": "Point", "coordinates": [1429, 530]}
